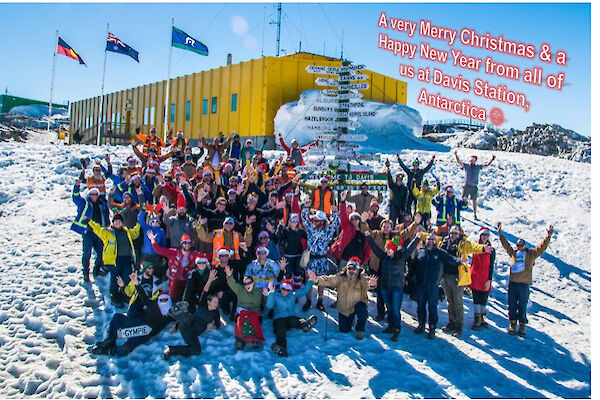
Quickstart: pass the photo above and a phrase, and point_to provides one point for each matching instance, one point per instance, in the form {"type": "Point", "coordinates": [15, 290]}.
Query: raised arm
{"type": "Point", "coordinates": [378, 252]}
{"type": "Point", "coordinates": [402, 165]}
{"type": "Point", "coordinates": [541, 248]}
{"type": "Point", "coordinates": [490, 163]}
{"type": "Point", "coordinates": [458, 159]}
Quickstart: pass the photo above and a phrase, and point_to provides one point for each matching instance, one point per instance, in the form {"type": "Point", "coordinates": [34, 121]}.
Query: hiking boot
{"type": "Point", "coordinates": [238, 344]}
{"type": "Point", "coordinates": [320, 305]}
{"type": "Point", "coordinates": [306, 305]}
{"type": "Point", "coordinates": [308, 323]}
{"type": "Point", "coordinates": [449, 327]}
{"type": "Point", "coordinates": [360, 335]}
{"type": "Point", "coordinates": [521, 332]}
{"type": "Point", "coordinates": [108, 342]}
{"type": "Point", "coordinates": [476, 322]}
{"type": "Point", "coordinates": [179, 311]}
{"type": "Point", "coordinates": [458, 332]}
{"type": "Point", "coordinates": [380, 317]}
{"type": "Point", "coordinates": [420, 329]}
{"type": "Point", "coordinates": [484, 323]}
{"type": "Point", "coordinates": [395, 335]}
{"type": "Point", "coordinates": [389, 329]}
{"type": "Point", "coordinates": [167, 353]}
{"type": "Point", "coordinates": [101, 351]}
{"type": "Point", "coordinates": [512, 329]}
{"type": "Point", "coordinates": [431, 332]}
{"type": "Point", "coordinates": [279, 350]}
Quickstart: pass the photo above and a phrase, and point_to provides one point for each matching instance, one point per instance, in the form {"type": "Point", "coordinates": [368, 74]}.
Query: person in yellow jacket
{"type": "Point", "coordinates": [118, 252]}
{"type": "Point", "coordinates": [458, 246]}
{"type": "Point", "coordinates": [424, 197]}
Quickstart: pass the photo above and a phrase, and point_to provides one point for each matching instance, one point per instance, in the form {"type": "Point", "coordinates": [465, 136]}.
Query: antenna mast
{"type": "Point", "coordinates": [278, 28]}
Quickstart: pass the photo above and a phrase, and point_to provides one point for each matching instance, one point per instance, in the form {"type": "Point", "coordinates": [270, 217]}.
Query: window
{"type": "Point", "coordinates": [172, 112]}
{"type": "Point", "coordinates": [213, 105]}
{"type": "Point", "coordinates": [204, 106]}
{"type": "Point", "coordinates": [152, 115]}
{"type": "Point", "coordinates": [233, 102]}
{"type": "Point", "coordinates": [117, 121]}
{"type": "Point", "coordinates": [145, 115]}
{"type": "Point", "coordinates": [188, 110]}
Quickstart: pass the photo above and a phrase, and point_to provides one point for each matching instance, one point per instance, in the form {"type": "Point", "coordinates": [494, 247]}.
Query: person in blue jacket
{"type": "Point", "coordinates": [283, 304]}
{"type": "Point", "coordinates": [96, 209]}
{"type": "Point", "coordinates": [449, 205]}
{"type": "Point", "coordinates": [148, 253]}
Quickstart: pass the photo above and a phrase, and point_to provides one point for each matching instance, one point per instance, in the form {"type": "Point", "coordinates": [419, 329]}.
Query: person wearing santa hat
{"type": "Point", "coordinates": [181, 263]}
{"type": "Point", "coordinates": [227, 299]}
{"type": "Point", "coordinates": [472, 170]}
{"type": "Point", "coordinates": [264, 270]}
{"type": "Point", "coordinates": [392, 270]}
{"type": "Point", "coordinates": [179, 224]}
{"type": "Point", "coordinates": [283, 305]}
{"type": "Point", "coordinates": [482, 271]}
{"type": "Point", "coordinates": [352, 295]}
{"type": "Point", "coordinates": [143, 310]}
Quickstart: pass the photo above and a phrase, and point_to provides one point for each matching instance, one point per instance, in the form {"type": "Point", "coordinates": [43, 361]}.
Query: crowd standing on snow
{"type": "Point", "coordinates": [226, 231]}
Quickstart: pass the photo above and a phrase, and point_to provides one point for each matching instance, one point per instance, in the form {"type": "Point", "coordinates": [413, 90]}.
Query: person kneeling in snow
{"type": "Point", "coordinates": [191, 326]}
{"type": "Point", "coordinates": [521, 265]}
{"type": "Point", "coordinates": [283, 304]}
{"type": "Point", "coordinates": [144, 310]}
{"type": "Point", "coordinates": [248, 319]}
{"type": "Point", "coordinates": [352, 295]}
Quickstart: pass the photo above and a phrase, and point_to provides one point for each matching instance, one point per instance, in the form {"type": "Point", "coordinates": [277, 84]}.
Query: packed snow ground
{"type": "Point", "coordinates": [49, 319]}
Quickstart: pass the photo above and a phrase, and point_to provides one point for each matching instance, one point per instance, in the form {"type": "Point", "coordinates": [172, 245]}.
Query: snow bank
{"type": "Point", "coordinates": [37, 111]}
{"type": "Point", "coordinates": [49, 320]}
{"type": "Point", "coordinates": [393, 122]}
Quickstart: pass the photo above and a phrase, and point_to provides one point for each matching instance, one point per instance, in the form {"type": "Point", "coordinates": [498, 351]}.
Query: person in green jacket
{"type": "Point", "coordinates": [249, 298]}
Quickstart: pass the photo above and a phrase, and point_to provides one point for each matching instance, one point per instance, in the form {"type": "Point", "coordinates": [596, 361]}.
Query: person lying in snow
{"type": "Point", "coordinates": [144, 310]}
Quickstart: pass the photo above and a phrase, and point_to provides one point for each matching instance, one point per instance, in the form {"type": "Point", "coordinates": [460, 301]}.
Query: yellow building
{"type": "Point", "coordinates": [241, 98]}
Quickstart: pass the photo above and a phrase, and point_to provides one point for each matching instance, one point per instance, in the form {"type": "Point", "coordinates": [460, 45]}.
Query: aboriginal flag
{"type": "Point", "coordinates": [66, 50]}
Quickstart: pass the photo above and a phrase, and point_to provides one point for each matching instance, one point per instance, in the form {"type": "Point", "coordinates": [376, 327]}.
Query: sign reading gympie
{"type": "Point", "coordinates": [435, 46]}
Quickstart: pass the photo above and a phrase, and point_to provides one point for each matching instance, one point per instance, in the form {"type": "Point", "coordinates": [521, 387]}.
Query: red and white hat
{"type": "Point", "coordinates": [484, 231]}
{"type": "Point", "coordinates": [224, 251]}
{"type": "Point", "coordinates": [179, 133]}
{"type": "Point", "coordinates": [185, 238]}
{"type": "Point", "coordinates": [474, 156]}
{"type": "Point", "coordinates": [132, 160]}
{"type": "Point", "coordinates": [354, 261]}
{"type": "Point", "coordinates": [287, 284]}
{"type": "Point", "coordinates": [262, 249]}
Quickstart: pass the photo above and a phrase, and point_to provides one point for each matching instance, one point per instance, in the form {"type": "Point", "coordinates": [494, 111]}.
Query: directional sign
{"type": "Point", "coordinates": [342, 124]}
{"type": "Point", "coordinates": [308, 168]}
{"type": "Point", "coordinates": [326, 82]}
{"type": "Point", "coordinates": [320, 69]}
{"type": "Point", "coordinates": [361, 114]}
{"type": "Point", "coordinates": [320, 118]}
{"type": "Point", "coordinates": [353, 137]}
{"type": "Point", "coordinates": [335, 100]}
{"type": "Point", "coordinates": [329, 127]}
{"type": "Point", "coordinates": [344, 146]}
{"type": "Point", "coordinates": [344, 96]}
{"type": "Point", "coordinates": [357, 77]}
{"type": "Point", "coordinates": [342, 108]}
{"type": "Point", "coordinates": [325, 136]}
{"type": "Point", "coordinates": [352, 67]}
{"type": "Point", "coordinates": [358, 86]}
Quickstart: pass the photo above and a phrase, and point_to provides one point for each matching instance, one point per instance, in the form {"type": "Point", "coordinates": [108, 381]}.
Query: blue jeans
{"type": "Point", "coordinates": [361, 313]}
{"type": "Point", "coordinates": [427, 300]}
{"type": "Point", "coordinates": [518, 297]}
{"type": "Point", "coordinates": [393, 301]}
{"type": "Point", "coordinates": [91, 241]}
{"type": "Point", "coordinates": [120, 321]}
{"type": "Point", "coordinates": [122, 269]}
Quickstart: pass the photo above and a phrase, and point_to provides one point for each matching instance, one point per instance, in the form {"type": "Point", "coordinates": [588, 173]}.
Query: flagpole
{"type": "Point", "coordinates": [52, 79]}
{"type": "Point", "coordinates": [101, 106]}
{"type": "Point", "coordinates": [168, 79]}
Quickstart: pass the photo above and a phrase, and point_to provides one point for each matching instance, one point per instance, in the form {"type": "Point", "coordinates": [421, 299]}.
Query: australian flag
{"type": "Point", "coordinates": [115, 45]}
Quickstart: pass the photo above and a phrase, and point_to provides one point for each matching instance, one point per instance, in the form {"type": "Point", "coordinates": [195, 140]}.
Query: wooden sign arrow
{"type": "Point", "coordinates": [321, 69]}
{"type": "Point", "coordinates": [357, 77]}
{"type": "Point", "coordinates": [357, 86]}
{"type": "Point", "coordinates": [353, 137]}
{"type": "Point", "coordinates": [352, 67]}
{"type": "Point", "coordinates": [326, 82]}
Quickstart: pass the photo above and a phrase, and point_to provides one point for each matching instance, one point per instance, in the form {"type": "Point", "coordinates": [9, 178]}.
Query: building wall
{"type": "Point", "coordinates": [259, 86]}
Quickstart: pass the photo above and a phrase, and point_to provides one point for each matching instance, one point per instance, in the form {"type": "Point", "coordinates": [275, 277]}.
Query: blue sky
{"type": "Point", "coordinates": [238, 29]}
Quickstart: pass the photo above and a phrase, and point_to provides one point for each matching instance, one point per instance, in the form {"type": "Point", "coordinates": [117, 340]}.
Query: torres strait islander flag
{"type": "Point", "coordinates": [66, 50]}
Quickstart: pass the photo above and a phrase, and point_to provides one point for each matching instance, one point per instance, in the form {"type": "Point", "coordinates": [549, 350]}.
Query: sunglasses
{"type": "Point", "coordinates": [228, 223]}
{"type": "Point", "coordinates": [154, 221]}
{"type": "Point", "coordinates": [248, 283]}
{"type": "Point", "coordinates": [287, 290]}
{"type": "Point", "coordinates": [186, 242]}
{"type": "Point", "coordinates": [263, 237]}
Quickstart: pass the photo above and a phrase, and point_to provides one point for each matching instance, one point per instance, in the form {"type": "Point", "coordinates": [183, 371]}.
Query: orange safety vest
{"type": "Point", "coordinates": [96, 183]}
{"type": "Point", "coordinates": [219, 241]}
{"type": "Point", "coordinates": [326, 200]}
{"type": "Point", "coordinates": [149, 141]}
{"type": "Point", "coordinates": [135, 170]}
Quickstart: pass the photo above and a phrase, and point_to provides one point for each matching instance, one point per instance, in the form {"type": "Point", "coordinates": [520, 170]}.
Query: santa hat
{"type": "Point", "coordinates": [374, 203]}
{"type": "Point", "coordinates": [287, 284]}
{"type": "Point", "coordinates": [325, 179]}
{"type": "Point", "coordinates": [180, 133]}
{"type": "Point", "coordinates": [185, 238]}
{"type": "Point", "coordinates": [354, 261]}
{"type": "Point", "coordinates": [93, 191]}
{"type": "Point", "coordinates": [263, 234]}
{"type": "Point", "coordinates": [132, 159]}
{"type": "Point", "coordinates": [134, 176]}
{"type": "Point", "coordinates": [232, 191]}
{"type": "Point", "coordinates": [206, 171]}
{"type": "Point", "coordinates": [484, 231]}
{"type": "Point", "coordinates": [200, 260]}
{"type": "Point", "coordinates": [263, 166]}
{"type": "Point", "coordinates": [228, 220]}
{"type": "Point", "coordinates": [474, 156]}
{"type": "Point", "coordinates": [224, 251]}
{"type": "Point", "coordinates": [354, 215]}
{"type": "Point", "coordinates": [181, 200]}
{"type": "Point", "coordinates": [449, 188]}
{"type": "Point", "coordinates": [262, 249]}
{"type": "Point", "coordinates": [151, 171]}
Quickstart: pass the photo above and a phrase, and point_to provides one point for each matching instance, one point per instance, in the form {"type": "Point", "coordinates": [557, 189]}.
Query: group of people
{"type": "Point", "coordinates": [229, 231]}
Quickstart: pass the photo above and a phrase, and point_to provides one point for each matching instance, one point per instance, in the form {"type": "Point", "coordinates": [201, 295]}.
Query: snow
{"type": "Point", "coordinates": [38, 111]}
{"type": "Point", "coordinates": [49, 320]}
{"type": "Point", "coordinates": [394, 122]}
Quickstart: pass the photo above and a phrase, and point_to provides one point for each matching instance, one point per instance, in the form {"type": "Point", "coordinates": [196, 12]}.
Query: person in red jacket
{"type": "Point", "coordinates": [482, 270]}
{"type": "Point", "coordinates": [295, 152]}
{"type": "Point", "coordinates": [352, 241]}
{"type": "Point", "coordinates": [181, 263]}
